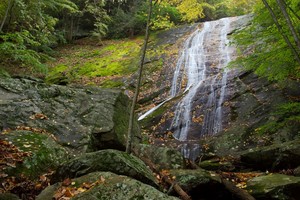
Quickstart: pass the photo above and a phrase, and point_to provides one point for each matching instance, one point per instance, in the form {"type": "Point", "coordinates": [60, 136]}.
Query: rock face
{"type": "Point", "coordinates": [79, 118]}
{"type": "Point", "coordinates": [106, 160]}
{"type": "Point", "coordinates": [110, 186]}
{"type": "Point", "coordinates": [275, 186]}
{"type": "Point", "coordinates": [277, 156]}
{"type": "Point", "coordinates": [162, 157]}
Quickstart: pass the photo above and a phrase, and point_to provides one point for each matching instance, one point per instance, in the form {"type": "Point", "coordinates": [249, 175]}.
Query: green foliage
{"type": "Point", "coordinates": [286, 115]}
{"type": "Point", "coordinates": [29, 31]}
{"type": "Point", "coordinates": [164, 16]}
{"type": "Point", "coordinates": [100, 15]}
{"type": "Point", "coordinates": [264, 50]}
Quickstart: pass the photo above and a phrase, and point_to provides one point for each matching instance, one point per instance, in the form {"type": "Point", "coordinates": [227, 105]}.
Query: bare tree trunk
{"type": "Point", "coordinates": [289, 22]}
{"type": "Point", "coordinates": [137, 88]}
{"type": "Point", "coordinates": [281, 31]}
{"type": "Point", "coordinates": [5, 16]}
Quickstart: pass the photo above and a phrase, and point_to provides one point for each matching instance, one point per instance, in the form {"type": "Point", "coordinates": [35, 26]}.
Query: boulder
{"type": "Point", "coordinates": [8, 196]}
{"type": "Point", "coordinates": [277, 156]}
{"type": "Point", "coordinates": [106, 160]}
{"type": "Point", "coordinates": [162, 157]}
{"type": "Point", "coordinates": [108, 186]}
{"type": "Point", "coordinates": [216, 164]}
{"type": "Point", "coordinates": [199, 184]}
{"type": "Point", "coordinates": [275, 186]}
{"type": "Point", "coordinates": [31, 154]}
{"type": "Point", "coordinates": [79, 118]}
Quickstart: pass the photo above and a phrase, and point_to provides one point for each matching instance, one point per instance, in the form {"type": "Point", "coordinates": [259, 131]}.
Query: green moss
{"type": "Point", "coordinates": [45, 153]}
{"type": "Point", "coordinates": [112, 84]}
{"type": "Point", "coordinates": [119, 57]}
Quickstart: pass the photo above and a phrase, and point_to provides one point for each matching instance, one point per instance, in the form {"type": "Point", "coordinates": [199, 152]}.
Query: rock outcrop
{"type": "Point", "coordinates": [80, 118]}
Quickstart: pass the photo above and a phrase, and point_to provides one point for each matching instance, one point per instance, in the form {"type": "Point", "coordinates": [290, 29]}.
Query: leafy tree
{"type": "Point", "coordinates": [271, 50]}
{"type": "Point", "coordinates": [95, 7]}
{"type": "Point", "coordinates": [28, 30]}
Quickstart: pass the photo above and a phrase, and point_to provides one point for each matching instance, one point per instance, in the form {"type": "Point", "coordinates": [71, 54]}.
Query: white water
{"type": "Point", "coordinates": [200, 70]}
{"type": "Point", "coordinates": [204, 57]}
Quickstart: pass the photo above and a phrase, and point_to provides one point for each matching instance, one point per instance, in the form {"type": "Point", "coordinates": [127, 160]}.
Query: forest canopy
{"type": "Point", "coordinates": [31, 29]}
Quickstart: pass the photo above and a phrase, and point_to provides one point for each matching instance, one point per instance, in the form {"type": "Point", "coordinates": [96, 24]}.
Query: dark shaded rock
{"type": "Point", "coordinates": [8, 196]}
{"type": "Point", "coordinates": [200, 183]}
{"type": "Point", "coordinates": [162, 157]}
{"type": "Point", "coordinates": [275, 186]}
{"type": "Point", "coordinates": [106, 160]}
{"type": "Point", "coordinates": [45, 153]}
{"type": "Point", "coordinates": [77, 117]}
{"type": "Point", "coordinates": [112, 186]}
{"type": "Point", "coordinates": [277, 156]}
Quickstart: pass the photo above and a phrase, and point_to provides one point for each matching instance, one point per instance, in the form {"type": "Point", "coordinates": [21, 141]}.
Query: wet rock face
{"type": "Point", "coordinates": [79, 118]}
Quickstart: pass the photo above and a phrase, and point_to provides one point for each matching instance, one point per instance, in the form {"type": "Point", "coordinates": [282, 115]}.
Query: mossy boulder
{"type": "Point", "coordinates": [80, 118]}
{"type": "Point", "coordinates": [216, 164]}
{"type": "Point", "coordinates": [106, 160]}
{"type": "Point", "coordinates": [199, 184]}
{"type": "Point", "coordinates": [162, 157]}
{"type": "Point", "coordinates": [275, 186]}
{"type": "Point", "coordinates": [277, 156]}
{"type": "Point", "coordinates": [8, 196]}
{"type": "Point", "coordinates": [44, 153]}
{"type": "Point", "coordinates": [110, 186]}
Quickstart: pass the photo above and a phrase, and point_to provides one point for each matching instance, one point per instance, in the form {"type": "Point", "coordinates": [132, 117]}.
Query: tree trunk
{"type": "Point", "coordinates": [289, 22]}
{"type": "Point", "coordinates": [5, 16]}
{"type": "Point", "coordinates": [137, 88]}
{"type": "Point", "coordinates": [281, 31]}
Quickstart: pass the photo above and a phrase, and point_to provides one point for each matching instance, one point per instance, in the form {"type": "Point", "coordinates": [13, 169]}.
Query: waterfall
{"type": "Point", "coordinates": [200, 72]}
{"type": "Point", "coordinates": [203, 59]}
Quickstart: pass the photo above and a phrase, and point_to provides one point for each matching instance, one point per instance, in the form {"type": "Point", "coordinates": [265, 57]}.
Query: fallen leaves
{"type": "Point", "coordinates": [38, 116]}
{"type": "Point", "coordinates": [240, 179]}
{"type": "Point", "coordinates": [69, 189]}
{"type": "Point", "coordinates": [10, 156]}
{"type": "Point", "coordinates": [24, 187]}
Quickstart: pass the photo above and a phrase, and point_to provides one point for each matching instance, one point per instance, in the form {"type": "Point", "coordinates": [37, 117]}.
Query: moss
{"type": "Point", "coordinates": [45, 153]}
{"type": "Point", "coordinates": [118, 57]}
{"type": "Point", "coordinates": [112, 84]}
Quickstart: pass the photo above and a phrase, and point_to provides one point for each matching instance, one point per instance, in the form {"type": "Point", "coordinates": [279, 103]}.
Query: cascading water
{"type": "Point", "coordinates": [200, 72]}
{"type": "Point", "coordinates": [204, 57]}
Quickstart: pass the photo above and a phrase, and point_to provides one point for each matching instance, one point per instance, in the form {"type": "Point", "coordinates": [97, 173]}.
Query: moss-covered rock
{"type": "Point", "coordinates": [162, 157]}
{"type": "Point", "coordinates": [216, 164]}
{"type": "Point", "coordinates": [275, 186]}
{"type": "Point", "coordinates": [44, 153]}
{"type": "Point", "coordinates": [111, 186]}
{"type": "Point", "coordinates": [8, 196]}
{"type": "Point", "coordinates": [277, 156]}
{"type": "Point", "coordinates": [79, 117]}
{"type": "Point", "coordinates": [106, 160]}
